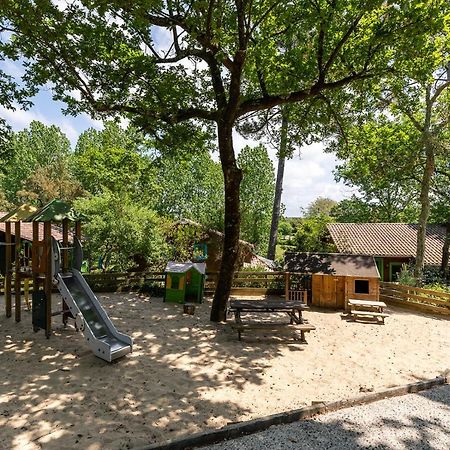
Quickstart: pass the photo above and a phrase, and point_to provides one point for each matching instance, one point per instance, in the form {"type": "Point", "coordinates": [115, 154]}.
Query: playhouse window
{"type": "Point", "coordinates": [361, 286]}
{"type": "Point", "coordinates": [175, 282]}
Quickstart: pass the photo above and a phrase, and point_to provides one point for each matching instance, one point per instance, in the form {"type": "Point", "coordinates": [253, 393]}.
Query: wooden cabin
{"type": "Point", "coordinates": [391, 244]}
{"type": "Point", "coordinates": [336, 278]}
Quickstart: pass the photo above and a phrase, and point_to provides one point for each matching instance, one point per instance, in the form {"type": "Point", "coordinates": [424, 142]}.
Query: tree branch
{"type": "Point", "coordinates": [273, 100]}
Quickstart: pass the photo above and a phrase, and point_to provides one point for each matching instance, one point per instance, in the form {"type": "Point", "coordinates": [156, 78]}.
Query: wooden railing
{"type": "Point", "coordinates": [421, 299]}
{"type": "Point", "coordinates": [250, 283]}
{"type": "Point", "coordinates": [124, 281]}
{"type": "Point", "coordinates": [26, 285]}
{"type": "Point", "coordinates": [244, 283]}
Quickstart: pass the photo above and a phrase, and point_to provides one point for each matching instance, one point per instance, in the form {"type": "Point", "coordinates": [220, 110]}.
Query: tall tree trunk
{"type": "Point", "coordinates": [278, 188]}
{"type": "Point", "coordinates": [425, 206]}
{"type": "Point", "coordinates": [232, 179]}
{"type": "Point", "coordinates": [445, 250]}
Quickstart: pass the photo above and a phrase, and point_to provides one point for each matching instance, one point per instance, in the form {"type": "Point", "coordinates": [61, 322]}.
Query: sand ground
{"type": "Point", "coordinates": [187, 374]}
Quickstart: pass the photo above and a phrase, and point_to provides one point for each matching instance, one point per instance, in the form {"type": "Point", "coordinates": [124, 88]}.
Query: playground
{"type": "Point", "coordinates": [186, 374]}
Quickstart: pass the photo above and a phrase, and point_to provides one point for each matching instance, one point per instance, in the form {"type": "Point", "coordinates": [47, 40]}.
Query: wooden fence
{"type": "Point", "coordinates": [244, 283]}
{"type": "Point", "coordinates": [411, 297]}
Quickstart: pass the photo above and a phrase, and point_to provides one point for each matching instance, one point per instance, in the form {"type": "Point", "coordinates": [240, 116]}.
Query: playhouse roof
{"type": "Point", "coordinates": [176, 267]}
{"type": "Point", "coordinates": [26, 230]}
{"type": "Point", "coordinates": [21, 213]}
{"type": "Point", "coordinates": [331, 264]}
{"type": "Point", "coordinates": [55, 211]}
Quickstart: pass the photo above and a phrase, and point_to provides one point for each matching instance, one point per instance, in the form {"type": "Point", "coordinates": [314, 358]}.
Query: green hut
{"type": "Point", "coordinates": [184, 282]}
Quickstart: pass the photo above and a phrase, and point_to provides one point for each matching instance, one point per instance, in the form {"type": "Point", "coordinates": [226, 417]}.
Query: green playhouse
{"type": "Point", "coordinates": [184, 282]}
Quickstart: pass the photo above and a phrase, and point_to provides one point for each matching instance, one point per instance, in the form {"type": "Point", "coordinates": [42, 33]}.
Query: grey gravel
{"type": "Point", "coordinates": [413, 421]}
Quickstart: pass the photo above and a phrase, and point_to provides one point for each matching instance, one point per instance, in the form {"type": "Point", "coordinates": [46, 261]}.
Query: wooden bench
{"type": "Point", "coordinates": [367, 308]}
{"type": "Point", "coordinates": [273, 327]}
{"type": "Point", "coordinates": [355, 313]}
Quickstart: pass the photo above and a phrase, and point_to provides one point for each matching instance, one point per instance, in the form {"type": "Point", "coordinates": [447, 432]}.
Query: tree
{"type": "Point", "coordinates": [424, 102]}
{"type": "Point", "coordinates": [321, 206]}
{"type": "Point", "coordinates": [114, 159]}
{"type": "Point", "coordinates": [37, 147]}
{"type": "Point", "coordinates": [380, 157]}
{"type": "Point", "coordinates": [46, 183]}
{"type": "Point", "coordinates": [224, 61]}
{"type": "Point", "coordinates": [257, 191]}
{"type": "Point", "coordinates": [312, 235]}
{"type": "Point", "coordinates": [355, 210]}
{"type": "Point", "coordinates": [191, 187]}
{"type": "Point", "coordinates": [121, 232]}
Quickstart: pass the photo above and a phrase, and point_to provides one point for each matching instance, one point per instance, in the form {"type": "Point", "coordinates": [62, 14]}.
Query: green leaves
{"type": "Point", "coordinates": [257, 193]}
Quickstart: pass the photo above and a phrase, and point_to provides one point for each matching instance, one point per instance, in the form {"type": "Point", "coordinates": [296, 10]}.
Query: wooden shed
{"type": "Point", "coordinates": [337, 278]}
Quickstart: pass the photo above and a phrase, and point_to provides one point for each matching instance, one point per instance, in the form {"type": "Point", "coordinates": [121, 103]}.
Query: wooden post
{"type": "Point", "coordinates": [48, 275]}
{"type": "Point", "coordinates": [17, 286]}
{"type": "Point", "coordinates": [8, 269]}
{"type": "Point", "coordinates": [65, 265]}
{"type": "Point", "coordinates": [35, 256]}
{"type": "Point", "coordinates": [287, 282]}
{"type": "Point", "coordinates": [26, 292]}
{"type": "Point", "coordinates": [65, 253]}
{"type": "Point", "coordinates": [78, 229]}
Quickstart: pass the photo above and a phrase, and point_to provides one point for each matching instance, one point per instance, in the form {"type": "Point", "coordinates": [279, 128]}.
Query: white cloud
{"type": "Point", "coordinates": [69, 130]}
{"type": "Point", "coordinates": [20, 119]}
{"type": "Point", "coordinates": [306, 177]}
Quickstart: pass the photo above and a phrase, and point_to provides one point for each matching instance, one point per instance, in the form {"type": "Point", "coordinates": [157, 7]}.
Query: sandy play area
{"type": "Point", "coordinates": [187, 375]}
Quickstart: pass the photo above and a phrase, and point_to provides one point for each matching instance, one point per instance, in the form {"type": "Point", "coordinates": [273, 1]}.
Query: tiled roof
{"type": "Point", "coordinates": [387, 239]}
{"type": "Point", "coordinates": [331, 264]}
{"type": "Point", "coordinates": [26, 230]}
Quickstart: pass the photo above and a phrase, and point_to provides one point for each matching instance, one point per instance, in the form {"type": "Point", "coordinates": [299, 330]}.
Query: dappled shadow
{"type": "Point", "coordinates": [331, 264]}
{"type": "Point", "coordinates": [55, 393]}
{"type": "Point", "coordinates": [185, 374]}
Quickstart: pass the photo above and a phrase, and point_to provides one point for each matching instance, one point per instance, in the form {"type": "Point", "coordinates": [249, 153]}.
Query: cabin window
{"type": "Point", "coordinates": [361, 286]}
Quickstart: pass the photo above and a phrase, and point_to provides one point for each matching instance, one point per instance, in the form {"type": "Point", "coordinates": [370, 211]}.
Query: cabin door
{"type": "Point", "coordinates": [329, 291]}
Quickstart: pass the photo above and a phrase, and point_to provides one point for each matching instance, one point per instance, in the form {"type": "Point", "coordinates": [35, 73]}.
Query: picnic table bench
{"type": "Point", "coordinates": [292, 308]}
{"type": "Point", "coordinates": [367, 308]}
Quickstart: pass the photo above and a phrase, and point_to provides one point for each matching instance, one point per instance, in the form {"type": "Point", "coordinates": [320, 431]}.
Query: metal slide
{"type": "Point", "coordinates": [100, 333]}
{"type": "Point", "coordinates": [90, 318]}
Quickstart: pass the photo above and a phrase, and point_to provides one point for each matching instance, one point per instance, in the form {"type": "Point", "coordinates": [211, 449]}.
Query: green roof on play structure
{"type": "Point", "coordinates": [21, 213]}
{"type": "Point", "coordinates": [55, 211]}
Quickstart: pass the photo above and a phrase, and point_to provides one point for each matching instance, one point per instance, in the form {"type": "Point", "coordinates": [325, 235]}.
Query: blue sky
{"type": "Point", "coordinates": [306, 177]}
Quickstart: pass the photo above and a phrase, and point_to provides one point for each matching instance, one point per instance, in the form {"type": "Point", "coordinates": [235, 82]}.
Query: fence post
{"type": "Point", "coordinates": [287, 279]}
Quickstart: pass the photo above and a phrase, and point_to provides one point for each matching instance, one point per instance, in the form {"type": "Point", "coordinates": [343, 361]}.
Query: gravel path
{"type": "Point", "coordinates": [414, 421]}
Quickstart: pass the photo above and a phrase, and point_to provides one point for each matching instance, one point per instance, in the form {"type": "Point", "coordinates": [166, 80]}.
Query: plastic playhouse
{"type": "Point", "coordinates": [184, 282]}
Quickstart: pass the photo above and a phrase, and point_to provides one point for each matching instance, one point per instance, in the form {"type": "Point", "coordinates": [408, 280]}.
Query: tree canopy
{"type": "Point", "coordinates": [174, 66]}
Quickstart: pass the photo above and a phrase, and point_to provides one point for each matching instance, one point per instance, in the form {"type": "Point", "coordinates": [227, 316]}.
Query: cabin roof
{"type": "Point", "coordinates": [177, 267]}
{"type": "Point", "coordinates": [331, 264]}
{"type": "Point", "coordinates": [387, 240]}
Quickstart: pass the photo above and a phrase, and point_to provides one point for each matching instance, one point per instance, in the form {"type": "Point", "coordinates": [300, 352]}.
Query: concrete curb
{"type": "Point", "coordinates": [243, 428]}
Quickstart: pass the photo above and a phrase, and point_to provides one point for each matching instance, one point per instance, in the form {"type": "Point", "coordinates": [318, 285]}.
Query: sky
{"type": "Point", "coordinates": [306, 178]}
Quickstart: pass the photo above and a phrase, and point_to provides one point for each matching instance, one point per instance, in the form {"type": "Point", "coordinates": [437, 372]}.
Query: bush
{"type": "Point", "coordinates": [406, 277]}
{"type": "Point", "coordinates": [122, 233]}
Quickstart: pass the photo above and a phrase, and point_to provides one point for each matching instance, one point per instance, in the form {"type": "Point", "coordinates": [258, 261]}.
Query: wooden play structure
{"type": "Point", "coordinates": [42, 271]}
{"type": "Point", "coordinates": [57, 264]}
{"type": "Point", "coordinates": [17, 260]}
{"type": "Point", "coordinates": [336, 278]}
{"type": "Point", "coordinates": [36, 265]}
{"type": "Point", "coordinates": [184, 282]}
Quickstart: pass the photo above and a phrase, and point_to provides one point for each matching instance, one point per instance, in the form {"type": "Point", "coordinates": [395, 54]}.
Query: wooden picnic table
{"type": "Point", "coordinates": [292, 308]}
{"type": "Point", "coordinates": [367, 308]}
